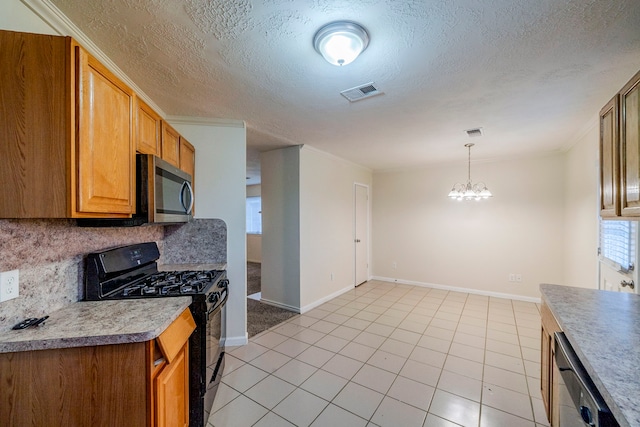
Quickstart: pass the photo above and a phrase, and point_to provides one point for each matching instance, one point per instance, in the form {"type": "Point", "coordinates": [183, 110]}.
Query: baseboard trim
{"type": "Point", "coordinates": [458, 289]}
{"type": "Point", "coordinates": [236, 341]}
{"type": "Point", "coordinates": [280, 305]}
{"type": "Point", "coordinates": [321, 301]}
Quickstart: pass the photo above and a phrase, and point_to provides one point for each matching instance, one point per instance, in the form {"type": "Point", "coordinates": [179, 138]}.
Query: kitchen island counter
{"type": "Point", "coordinates": [603, 328]}
{"type": "Point", "coordinates": [90, 323]}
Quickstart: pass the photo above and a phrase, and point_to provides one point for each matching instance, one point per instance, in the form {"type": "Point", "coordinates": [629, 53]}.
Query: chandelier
{"type": "Point", "coordinates": [469, 191]}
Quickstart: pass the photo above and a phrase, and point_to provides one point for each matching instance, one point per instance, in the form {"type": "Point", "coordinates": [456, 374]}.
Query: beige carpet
{"type": "Point", "coordinates": [261, 316]}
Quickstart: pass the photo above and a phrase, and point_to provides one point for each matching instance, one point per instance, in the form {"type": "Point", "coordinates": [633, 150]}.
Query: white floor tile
{"type": "Point", "coordinates": [324, 384]}
{"type": "Point", "coordinates": [245, 377]}
{"type": "Point", "coordinates": [454, 408]}
{"type": "Point", "coordinates": [300, 407]}
{"type": "Point", "coordinates": [334, 416]}
{"type": "Point", "coordinates": [358, 399]}
{"type": "Point", "coordinates": [411, 392]}
{"type": "Point", "coordinates": [241, 411]}
{"type": "Point", "coordinates": [374, 378]}
{"type": "Point", "coordinates": [420, 372]}
{"type": "Point", "coordinates": [460, 385]}
{"type": "Point", "coordinates": [491, 417]}
{"type": "Point", "coordinates": [343, 366]}
{"type": "Point", "coordinates": [393, 413]}
{"type": "Point", "coordinates": [269, 392]}
{"type": "Point", "coordinates": [295, 372]}
{"type": "Point", "coordinates": [270, 361]}
{"type": "Point", "coordinates": [315, 356]}
{"type": "Point", "coordinates": [506, 400]}
{"type": "Point", "coordinates": [273, 420]}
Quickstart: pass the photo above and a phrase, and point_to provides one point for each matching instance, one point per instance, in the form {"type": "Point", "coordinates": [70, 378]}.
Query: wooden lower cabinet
{"type": "Point", "coordinates": [128, 385]}
{"type": "Point", "coordinates": [172, 392]}
{"type": "Point", "coordinates": [548, 372]}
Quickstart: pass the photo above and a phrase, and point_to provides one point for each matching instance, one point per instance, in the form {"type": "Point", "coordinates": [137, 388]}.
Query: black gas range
{"type": "Point", "coordinates": [131, 272]}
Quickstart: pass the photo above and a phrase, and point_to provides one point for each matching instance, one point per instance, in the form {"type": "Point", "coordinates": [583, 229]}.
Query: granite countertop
{"type": "Point", "coordinates": [88, 323]}
{"type": "Point", "coordinates": [193, 267]}
{"type": "Point", "coordinates": [603, 328]}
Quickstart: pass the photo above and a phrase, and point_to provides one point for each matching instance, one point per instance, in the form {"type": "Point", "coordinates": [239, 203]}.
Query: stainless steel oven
{"type": "Point", "coordinates": [579, 401]}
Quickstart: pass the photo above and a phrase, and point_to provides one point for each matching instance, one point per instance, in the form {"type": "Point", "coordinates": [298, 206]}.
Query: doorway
{"type": "Point", "coordinates": [361, 233]}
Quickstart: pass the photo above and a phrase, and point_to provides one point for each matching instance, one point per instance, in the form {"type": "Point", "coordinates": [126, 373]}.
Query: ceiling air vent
{"type": "Point", "coordinates": [357, 93]}
{"type": "Point", "coordinates": [474, 132]}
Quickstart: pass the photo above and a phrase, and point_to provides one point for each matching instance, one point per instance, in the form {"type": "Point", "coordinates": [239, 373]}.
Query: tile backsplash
{"type": "Point", "coordinates": [49, 254]}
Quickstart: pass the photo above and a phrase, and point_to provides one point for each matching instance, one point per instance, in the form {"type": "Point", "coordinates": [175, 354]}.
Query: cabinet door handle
{"type": "Point", "coordinates": [629, 283]}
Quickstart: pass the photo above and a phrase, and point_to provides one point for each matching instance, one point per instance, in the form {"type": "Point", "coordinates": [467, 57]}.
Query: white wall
{"type": "Point", "coordinates": [15, 16]}
{"type": "Point", "coordinates": [327, 224]}
{"type": "Point", "coordinates": [280, 176]}
{"type": "Point", "coordinates": [220, 193]}
{"type": "Point", "coordinates": [581, 209]}
{"type": "Point", "coordinates": [307, 226]}
{"type": "Point", "coordinates": [472, 245]}
{"type": "Point", "coordinates": [254, 247]}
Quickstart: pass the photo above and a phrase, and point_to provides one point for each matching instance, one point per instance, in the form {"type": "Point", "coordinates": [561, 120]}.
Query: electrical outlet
{"type": "Point", "coordinates": [518, 277]}
{"type": "Point", "coordinates": [512, 277]}
{"type": "Point", "coordinates": [394, 264]}
{"type": "Point", "coordinates": [9, 285]}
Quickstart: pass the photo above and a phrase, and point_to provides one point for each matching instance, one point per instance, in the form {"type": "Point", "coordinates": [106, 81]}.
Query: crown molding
{"type": "Point", "coordinates": [59, 22]}
{"type": "Point", "coordinates": [205, 121]}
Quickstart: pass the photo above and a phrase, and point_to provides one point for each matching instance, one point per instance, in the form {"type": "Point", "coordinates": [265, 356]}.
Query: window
{"type": "Point", "coordinates": [254, 215]}
{"type": "Point", "coordinates": [618, 243]}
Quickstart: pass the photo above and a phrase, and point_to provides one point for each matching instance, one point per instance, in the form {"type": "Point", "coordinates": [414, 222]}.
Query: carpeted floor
{"type": "Point", "coordinates": [260, 316]}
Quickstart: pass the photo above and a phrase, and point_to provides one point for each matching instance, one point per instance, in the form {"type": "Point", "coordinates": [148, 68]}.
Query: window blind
{"type": "Point", "coordinates": [618, 243]}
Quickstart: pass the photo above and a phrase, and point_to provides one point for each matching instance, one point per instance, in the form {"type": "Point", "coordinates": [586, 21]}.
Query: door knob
{"type": "Point", "coordinates": [628, 283]}
{"type": "Point", "coordinates": [357, 240]}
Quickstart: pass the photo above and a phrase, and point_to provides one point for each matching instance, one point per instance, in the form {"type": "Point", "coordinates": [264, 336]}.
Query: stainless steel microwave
{"type": "Point", "coordinates": [164, 195]}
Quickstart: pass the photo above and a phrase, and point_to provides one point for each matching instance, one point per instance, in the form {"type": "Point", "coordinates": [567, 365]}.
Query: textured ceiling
{"type": "Point", "coordinates": [533, 74]}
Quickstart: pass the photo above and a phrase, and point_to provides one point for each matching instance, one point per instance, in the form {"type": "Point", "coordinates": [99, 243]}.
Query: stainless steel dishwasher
{"type": "Point", "coordinates": [580, 402]}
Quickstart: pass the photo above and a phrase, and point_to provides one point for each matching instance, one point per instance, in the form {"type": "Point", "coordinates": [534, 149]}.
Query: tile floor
{"type": "Point", "coordinates": [390, 355]}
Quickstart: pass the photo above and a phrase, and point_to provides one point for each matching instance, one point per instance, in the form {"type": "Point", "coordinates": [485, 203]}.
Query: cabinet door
{"type": "Point", "coordinates": [148, 125]}
{"type": "Point", "coordinates": [630, 147]}
{"type": "Point", "coordinates": [609, 160]}
{"type": "Point", "coordinates": [172, 392]}
{"type": "Point", "coordinates": [105, 150]}
{"type": "Point", "coordinates": [187, 158]}
{"type": "Point", "coordinates": [170, 144]}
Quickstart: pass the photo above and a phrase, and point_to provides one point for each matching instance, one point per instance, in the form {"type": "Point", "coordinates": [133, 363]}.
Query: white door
{"type": "Point", "coordinates": [613, 280]}
{"type": "Point", "coordinates": [361, 233]}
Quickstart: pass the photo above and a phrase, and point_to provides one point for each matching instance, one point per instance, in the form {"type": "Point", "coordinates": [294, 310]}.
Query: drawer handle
{"type": "Point", "coordinates": [628, 283]}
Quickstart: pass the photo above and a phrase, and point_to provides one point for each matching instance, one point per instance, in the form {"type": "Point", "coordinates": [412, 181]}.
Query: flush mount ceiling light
{"type": "Point", "coordinates": [341, 42]}
{"type": "Point", "coordinates": [470, 191]}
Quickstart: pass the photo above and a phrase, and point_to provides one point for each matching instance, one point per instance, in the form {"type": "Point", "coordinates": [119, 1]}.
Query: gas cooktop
{"type": "Point", "coordinates": [132, 272]}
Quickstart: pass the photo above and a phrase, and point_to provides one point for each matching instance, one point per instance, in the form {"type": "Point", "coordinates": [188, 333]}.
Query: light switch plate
{"type": "Point", "coordinates": [9, 285]}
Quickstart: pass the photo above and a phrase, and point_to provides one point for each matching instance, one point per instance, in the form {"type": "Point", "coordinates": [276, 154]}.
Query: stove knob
{"type": "Point", "coordinates": [213, 298]}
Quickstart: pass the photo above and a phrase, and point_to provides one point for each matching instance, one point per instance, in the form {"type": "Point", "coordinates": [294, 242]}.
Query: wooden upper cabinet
{"type": "Point", "coordinates": [630, 147]}
{"type": "Point", "coordinates": [148, 126]}
{"type": "Point", "coordinates": [67, 132]}
{"type": "Point", "coordinates": [609, 160]}
{"type": "Point", "coordinates": [187, 157]}
{"type": "Point", "coordinates": [106, 151]}
{"type": "Point", "coordinates": [170, 144]}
